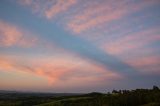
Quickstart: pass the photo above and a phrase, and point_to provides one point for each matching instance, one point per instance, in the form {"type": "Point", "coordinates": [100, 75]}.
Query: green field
{"type": "Point", "coordinates": [138, 97]}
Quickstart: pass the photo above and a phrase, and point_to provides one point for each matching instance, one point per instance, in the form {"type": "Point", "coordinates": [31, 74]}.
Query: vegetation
{"type": "Point", "coordinates": [138, 97]}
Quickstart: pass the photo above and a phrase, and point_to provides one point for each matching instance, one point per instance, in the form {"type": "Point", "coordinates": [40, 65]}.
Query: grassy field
{"type": "Point", "coordinates": [138, 97]}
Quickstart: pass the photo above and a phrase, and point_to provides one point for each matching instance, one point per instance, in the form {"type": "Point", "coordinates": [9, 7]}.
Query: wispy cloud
{"type": "Point", "coordinates": [147, 64]}
{"type": "Point", "coordinates": [49, 9]}
{"type": "Point", "coordinates": [60, 6]}
{"type": "Point", "coordinates": [86, 15]}
{"type": "Point", "coordinates": [89, 19]}
{"type": "Point", "coordinates": [134, 49]}
{"type": "Point", "coordinates": [96, 14]}
{"type": "Point", "coordinates": [11, 35]}
{"type": "Point", "coordinates": [102, 13]}
{"type": "Point", "coordinates": [133, 41]}
{"type": "Point", "coordinates": [59, 69]}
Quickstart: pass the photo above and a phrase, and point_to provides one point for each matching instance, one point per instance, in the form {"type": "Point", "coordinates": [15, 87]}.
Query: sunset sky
{"type": "Point", "coordinates": [79, 45]}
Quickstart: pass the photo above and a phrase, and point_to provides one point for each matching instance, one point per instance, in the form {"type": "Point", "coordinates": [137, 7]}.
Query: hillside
{"type": "Point", "coordinates": [138, 97]}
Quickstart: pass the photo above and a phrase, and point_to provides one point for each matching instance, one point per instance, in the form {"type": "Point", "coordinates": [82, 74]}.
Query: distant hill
{"type": "Point", "coordinates": [37, 93]}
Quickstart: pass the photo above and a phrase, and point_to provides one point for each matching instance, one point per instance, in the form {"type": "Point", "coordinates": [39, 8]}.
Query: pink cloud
{"type": "Point", "coordinates": [79, 27]}
{"type": "Point", "coordinates": [95, 14]}
{"type": "Point", "coordinates": [26, 2]}
{"type": "Point", "coordinates": [11, 35]}
{"type": "Point", "coordinates": [147, 64]}
{"type": "Point", "coordinates": [33, 4]}
{"type": "Point", "coordinates": [133, 49]}
{"type": "Point", "coordinates": [59, 70]}
{"type": "Point", "coordinates": [86, 15]}
{"type": "Point", "coordinates": [98, 14]}
{"type": "Point", "coordinates": [132, 41]}
{"type": "Point", "coordinates": [60, 6]}
{"type": "Point", "coordinates": [49, 8]}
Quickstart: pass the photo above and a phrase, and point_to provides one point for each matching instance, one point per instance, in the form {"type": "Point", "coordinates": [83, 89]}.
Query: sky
{"type": "Point", "coordinates": [79, 45]}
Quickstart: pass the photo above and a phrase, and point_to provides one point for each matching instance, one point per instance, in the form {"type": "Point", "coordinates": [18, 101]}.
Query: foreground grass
{"type": "Point", "coordinates": [68, 101]}
{"type": "Point", "coordinates": [152, 104]}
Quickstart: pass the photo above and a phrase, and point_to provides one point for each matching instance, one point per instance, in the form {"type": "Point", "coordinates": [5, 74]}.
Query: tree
{"type": "Point", "coordinates": [114, 91]}
{"type": "Point", "coordinates": [155, 88]}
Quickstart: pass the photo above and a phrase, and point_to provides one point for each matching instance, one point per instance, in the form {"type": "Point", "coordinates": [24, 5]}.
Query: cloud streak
{"type": "Point", "coordinates": [91, 15]}
{"type": "Point", "coordinates": [100, 13]}
{"type": "Point", "coordinates": [59, 7]}
{"type": "Point", "coordinates": [49, 9]}
{"type": "Point", "coordinates": [58, 69]}
{"type": "Point", "coordinates": [147, 64]}
{"type": "Point", "coordinates": [133, 41]}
